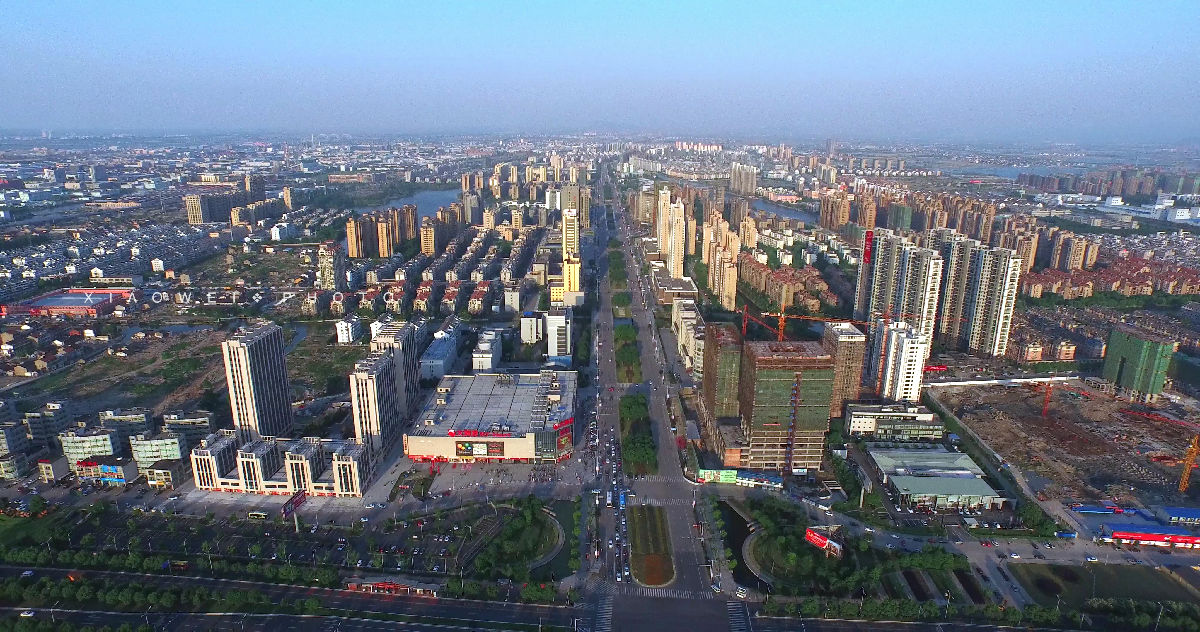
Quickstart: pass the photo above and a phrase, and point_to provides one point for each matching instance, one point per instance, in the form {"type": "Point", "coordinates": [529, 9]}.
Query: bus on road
{"type": "Point", "coordinates": [610, 499]}
{"type": "Point", "coordinates": [257, 515]}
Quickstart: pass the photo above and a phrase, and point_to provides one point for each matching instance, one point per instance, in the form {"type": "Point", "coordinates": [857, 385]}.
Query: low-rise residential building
{"type": "Point", "coordinates": [107, 470]}
{"type": "Point", "coordinates": [82, 444]}
{"type": "Point", "coordinates": [147, 448]}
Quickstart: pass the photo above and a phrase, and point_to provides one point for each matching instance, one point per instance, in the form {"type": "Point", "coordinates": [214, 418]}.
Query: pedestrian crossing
{"type": "Point", "coordinates": [659, 478]}
{"type": "Point", "coordinates": [739, 618]}
{"type": "Point", "coordinates": [666, 502]}
{"type": "Point", "coordinates": [633, 590]}
{"type": "Point", "coordinates": [604, 615]}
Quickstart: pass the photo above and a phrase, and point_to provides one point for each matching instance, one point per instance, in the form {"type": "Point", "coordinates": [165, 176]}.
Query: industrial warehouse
{"type": "Point", "coordinates": [497, 418]}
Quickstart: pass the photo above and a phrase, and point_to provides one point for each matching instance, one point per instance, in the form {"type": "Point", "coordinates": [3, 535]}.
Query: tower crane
{"type": "Point", "coordinates": [1189, 461]}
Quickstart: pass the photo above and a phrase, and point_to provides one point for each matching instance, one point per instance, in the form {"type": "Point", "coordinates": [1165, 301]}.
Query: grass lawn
{"type": "Point", "coordinates": [945, 583]}
{"type": "Point", "coordinates": [650, 546]}
{"type": "Point", "coordinates": [1113, 581]}
{"type": "Point", "coordinates": [622, 312]}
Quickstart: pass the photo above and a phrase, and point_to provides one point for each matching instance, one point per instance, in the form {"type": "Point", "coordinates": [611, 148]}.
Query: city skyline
{"type": "Point", "coordinates": [987, 73]}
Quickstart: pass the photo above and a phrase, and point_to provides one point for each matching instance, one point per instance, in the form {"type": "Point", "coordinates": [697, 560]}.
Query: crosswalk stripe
{"type": "Point", "coordinates": [739, 617]}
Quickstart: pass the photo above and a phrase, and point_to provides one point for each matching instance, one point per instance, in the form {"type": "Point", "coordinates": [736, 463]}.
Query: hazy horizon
{"type": "Point", "coordinates": [931, 72]}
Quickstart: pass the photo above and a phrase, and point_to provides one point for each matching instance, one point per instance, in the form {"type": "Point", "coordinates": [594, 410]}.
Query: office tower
{"type": "Point", "coordinates": [489, 219]}
{"type": "Point", "coordinates": [375, 404]}
{"type": "Point", "coordinates": [385, 238]}
{"type": "Point", "coordinates": [743, 179]}
{"type": "Point", "coordinates": [408, 222]}
{"type": "Point", "coordinates": [570, 233]}
{"type": "Point", "coordinates": [470, 209]}
{"type": "Point", "coordinates": [899, 281]}
{"type": "Point", "coordinates": [572, 275]}
{"type": "Point", "coordinates": [865, 216]}
{"type": "Point", "coordinates": [1136, 362]}
{"type": "Point", "coordinates": [97, 173]}
{"type": "Point", "coordinates": [835, 211]}
{"type": "Point", "coordinates": [288, 201]}
{"type": "Point", "coordinates": [558, 333]}
{"type": "Point", "coordinates": [400, 339]}
{"type": "Point", "coordinates": [721, 370]}
{"type": "Point", "coordinates": [255, 187]}
{"type": "Point", "coordinates": [430, 237]}
{"type": "Point", "coordinates": [256, 374]}
{"type": "Point", "coordinates": [784, 399]}
{"type": "Point", "coordinates": [899, 355]}
{"type": "Point", "coordinates": [848, 346]}
{"type": "Point", "coordinates": [676, 246]}
{"type": "Point", "coordinates": [331, 267]}
{"type": "Point", "coordinates": [585, 208]}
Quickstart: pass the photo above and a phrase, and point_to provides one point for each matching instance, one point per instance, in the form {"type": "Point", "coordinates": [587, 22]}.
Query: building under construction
{"type": "Point", "coordinates": [785, 390]}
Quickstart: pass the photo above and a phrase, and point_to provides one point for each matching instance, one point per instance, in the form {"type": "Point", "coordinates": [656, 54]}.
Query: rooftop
{"type": "Point", "coordinates": [927, 463]}
{"type": "Point", "coordinates": [504, 404]}
{"type": "Point", "coordinates": [942, 486]}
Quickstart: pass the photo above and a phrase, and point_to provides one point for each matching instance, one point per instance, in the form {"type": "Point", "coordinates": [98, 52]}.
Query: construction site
{"type": "Point", "coordinates": [1076, 443]}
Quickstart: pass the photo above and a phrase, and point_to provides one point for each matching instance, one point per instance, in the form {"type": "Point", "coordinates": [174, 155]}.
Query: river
{"type": "Point", "coordinates": [427, 202]}
{"type": "Point", "coordinates": [759, 204]}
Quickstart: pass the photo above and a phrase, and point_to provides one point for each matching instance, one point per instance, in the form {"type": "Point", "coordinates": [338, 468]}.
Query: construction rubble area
{"type": "Point", "coordinates": [1087, 446]}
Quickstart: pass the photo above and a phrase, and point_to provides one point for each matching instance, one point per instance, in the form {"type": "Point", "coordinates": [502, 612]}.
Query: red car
{"type": "Point", "coordinates": [610, 389]}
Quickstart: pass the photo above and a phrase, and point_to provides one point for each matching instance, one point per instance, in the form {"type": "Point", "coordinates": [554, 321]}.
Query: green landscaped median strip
{"type": "Point", "coordinates": [472, 624]}
{"type": "Point", "coordinates": [650, 544]}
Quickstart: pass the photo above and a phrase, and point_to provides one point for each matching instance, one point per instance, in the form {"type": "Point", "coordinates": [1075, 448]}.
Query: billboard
{"type": "Point", "coordinates": [293, 503]}
{"type": "Point", "coordinates": [823, 542]}
{"type": "Point", "coordinates": [868, 244]}
{"type": "Point", "coordinates": [478, 449]}
{"type": "Point", "coordinates": [717, 476]}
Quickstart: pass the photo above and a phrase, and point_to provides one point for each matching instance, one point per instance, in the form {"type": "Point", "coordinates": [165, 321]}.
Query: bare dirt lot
{"type": "Point", "coordinates": [1086, 446]}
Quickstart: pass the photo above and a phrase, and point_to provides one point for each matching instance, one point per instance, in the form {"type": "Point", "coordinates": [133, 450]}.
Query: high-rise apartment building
{"type": "Point", "coordinates": [978, 294]}
{"type": "Point", "coordinates": [407, 222]}
{"type": "Point", "coordinates": [676, 244]}
{"type": "Point", "coordinates": [256, 374]}
{"type": "Point", "coordinates": [835, 211]}
{"type": "Point", "coordinates": [471, 209]}
{"type": "Point", "coordinates": [431, 237]}
{"type": "Point", "coordinates": [743, 179]}
{"type": "Point", "coordinates": [899, 357]}
{"type": "Point", "coordinates": [375, 403]}
{"type": "Point", "coordinates": [331, 267]}
{"type": "Point", "coordinates": [719, 252]}
{"type": "Point", "coordinates": [255, 187]}
{"type": "Point", "coordinates": [489, 219]}
{"type": "Point", "coordinates": [848, 346]}
{"type": "Point", "coordinates": [865, 212]}
{"type": "Point", "coordinates": [572, 275]}
{"type": "Point", "coordinates": [357, 246]}
{"type": "Point", "coordinates": [899, 281]}
{"type": "Point", "coordinates": [289, 202]}
{"type": "Point", "coordinates": [662, 216]}
{"type": "Point", "coordinates": [785, 390]}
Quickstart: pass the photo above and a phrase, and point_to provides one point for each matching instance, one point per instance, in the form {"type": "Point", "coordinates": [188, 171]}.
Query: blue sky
{"type": "Point", "coordinates": [1027, 71]}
